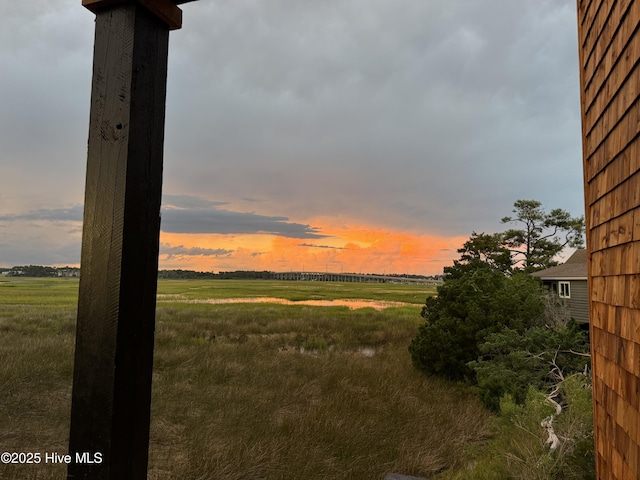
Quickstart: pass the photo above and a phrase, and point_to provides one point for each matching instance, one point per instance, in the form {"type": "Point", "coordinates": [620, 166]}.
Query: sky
{"type": "Point", "coordinates": [366, 136]}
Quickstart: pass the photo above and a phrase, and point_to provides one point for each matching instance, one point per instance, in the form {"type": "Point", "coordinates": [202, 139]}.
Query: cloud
{"type": "Point", "coordinates": [196, 215]}
{"type": "Point", "coordinates": [189, 214]}
{"type": "Point", "coordinates": [320, 246]}
{"type": "Point", "coordinates": [429, 117]}
{"type": "Point", "coordinates": [413, 115]}
{"type": "Point", "coordinates": [187, 202]}
{"type": "Point", "coordinates": [69, 214]}
{"type": "Point", "coordinates": [180, 250]}
{"type": "Point", "coordinates": [39, 242]}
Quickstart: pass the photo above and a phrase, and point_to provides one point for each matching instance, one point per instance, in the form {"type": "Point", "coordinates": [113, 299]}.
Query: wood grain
{"type": "Point", "coordinates": [116, 307]}
{"type": "Point", "coordinates": [165, 10]}
{"type": "Point", "coordinates": [609, 50]}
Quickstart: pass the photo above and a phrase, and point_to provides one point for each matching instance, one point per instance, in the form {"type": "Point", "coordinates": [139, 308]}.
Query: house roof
{"type": "Point", "coordinates": [574, 268]}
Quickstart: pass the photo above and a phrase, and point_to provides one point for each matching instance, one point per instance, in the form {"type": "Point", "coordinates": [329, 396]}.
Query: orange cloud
{"type": "Point", "coordinates": [360, 249]}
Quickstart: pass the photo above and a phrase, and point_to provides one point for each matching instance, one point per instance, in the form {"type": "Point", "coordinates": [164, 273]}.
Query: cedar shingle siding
{"type": "Point", "coordinates": [609, 49]}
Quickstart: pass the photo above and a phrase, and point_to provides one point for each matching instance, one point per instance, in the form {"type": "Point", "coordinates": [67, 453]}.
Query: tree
{"type": "Point", "coordinates": [483, 293]}
{"type": "Point", "coordinates": [486, 248]}
{"type": "Point", "coordinates": [542, 235]}
{"type": "Point", "coordinates": [530, 248]}
{"type": "Point", "coordinates": [488, 325]}
{"type": "Point", "coordinates": [33, 271]}
{"type": "Point", "coordinates": [510, 362]}
{"type": "Point", "coordinates": [474, 302]}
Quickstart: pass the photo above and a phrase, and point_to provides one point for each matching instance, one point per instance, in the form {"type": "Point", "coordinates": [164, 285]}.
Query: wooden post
{"type": "Point", "coordinates": [110, 411]}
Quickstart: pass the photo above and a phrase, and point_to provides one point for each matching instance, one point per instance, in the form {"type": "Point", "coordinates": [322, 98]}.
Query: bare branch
{"type": "Point", "coordinates": [580, 354]}
{"type": "Point", "coordinates": [547, 423]}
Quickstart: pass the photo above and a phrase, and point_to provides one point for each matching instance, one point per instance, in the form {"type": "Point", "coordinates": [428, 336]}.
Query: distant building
{"type": "Point", "coordinates": [569, 282]}
{"type": "Point", "coordinates": [68, 272]}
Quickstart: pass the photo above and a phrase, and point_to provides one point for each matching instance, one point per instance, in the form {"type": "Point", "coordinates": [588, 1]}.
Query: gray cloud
{"type": "Point", "coordinates": [70, 214]}
{"type": "Point", "coordinates": [215, 220]}
{"type": "Point", "coordinates": [181, 250]}
{"type": "Point", "coordinates": [38, 241]}
{"type": "Point", "coordinates": [424, 115]}
{"type": "Point", "coordinates": [187, 202]}
{"type": "Point", "coordinates": [187, 214]}
{"type": "Point", "coordinates": [309, 245]}
{"type": "Point", "coordinates": [431, 116]}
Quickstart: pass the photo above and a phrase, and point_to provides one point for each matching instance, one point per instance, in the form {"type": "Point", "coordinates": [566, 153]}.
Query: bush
{"type": "Point", "coordinates": [510, 362]}
{"type": "Point", "coordinates": [518, 448]}
{"type": "Point", "coordinates": [472, 304]}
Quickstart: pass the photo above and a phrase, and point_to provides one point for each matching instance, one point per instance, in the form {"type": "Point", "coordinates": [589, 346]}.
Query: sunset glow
{"type": "Point", "coordinates": [344, 150]}
{"type": "Point", "coordinates": [358, 249]}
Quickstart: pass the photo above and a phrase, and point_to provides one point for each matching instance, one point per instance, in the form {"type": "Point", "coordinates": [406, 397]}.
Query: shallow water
{"type": "Point", "coordinates": [351, 303]}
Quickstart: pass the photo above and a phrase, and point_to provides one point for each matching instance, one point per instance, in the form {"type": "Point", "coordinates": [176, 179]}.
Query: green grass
{"type": "Point", "coordinates": [295, 291]}
{"type": "Point", "coordinates": [44, 292]}
{"type": "Point", "coordinates": [248, 391]}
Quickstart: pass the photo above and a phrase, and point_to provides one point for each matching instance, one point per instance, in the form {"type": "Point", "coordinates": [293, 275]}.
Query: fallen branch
{"type": "Point", "coordinates": [547, 423]}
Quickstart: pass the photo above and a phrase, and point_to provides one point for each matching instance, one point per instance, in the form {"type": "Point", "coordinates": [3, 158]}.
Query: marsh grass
{"type": "Point", "coordinates": [36, 358]}
{"type": "Point", "coordinates": [247, 391]}
{"type": "Point", "coordinates": [199, 289]}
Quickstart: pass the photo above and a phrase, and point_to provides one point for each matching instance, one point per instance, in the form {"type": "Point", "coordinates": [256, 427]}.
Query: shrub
{"type": "Point", "coordinates": [510, 361]}
{"type": "Point", "coordinates": [471, 305]}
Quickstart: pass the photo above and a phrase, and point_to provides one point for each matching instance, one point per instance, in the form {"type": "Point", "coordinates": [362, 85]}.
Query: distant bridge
{"type": "Point", "coordinates": [349, 277]}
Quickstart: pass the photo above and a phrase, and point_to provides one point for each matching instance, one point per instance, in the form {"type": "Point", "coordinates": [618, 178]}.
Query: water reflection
{"type": "Point", "coordinates": [351, 303]}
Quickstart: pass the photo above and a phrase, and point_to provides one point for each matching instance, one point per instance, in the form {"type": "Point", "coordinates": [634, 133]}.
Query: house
{"type": "Point", "coordinates": [569, 281]}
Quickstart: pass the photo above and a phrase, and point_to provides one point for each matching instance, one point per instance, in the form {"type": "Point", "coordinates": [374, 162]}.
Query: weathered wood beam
{"type": "Point", "coordinates": [111, 398]}
{"type": "Point", "coordinates": [165, 10]}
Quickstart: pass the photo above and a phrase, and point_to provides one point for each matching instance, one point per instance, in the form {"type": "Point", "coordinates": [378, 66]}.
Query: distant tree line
{"type": "Point", "coordinates": [258, 275]}
{"type": "Point", "coordinates": [192, 274]}
{"type": "Point", "coordinates": [41, 271]}
{"type": "Point", "coordinates": [184, 274]}
{"type": "Point", "coordinates": [179, 274]}
{"type": "Point", "coordinates": [408, 275]}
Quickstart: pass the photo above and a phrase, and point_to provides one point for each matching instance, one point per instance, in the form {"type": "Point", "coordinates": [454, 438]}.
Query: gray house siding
{"type": "Point", "coordinates": [573, 272]}
{"type": "Point", "coordinates": [579, 301]}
